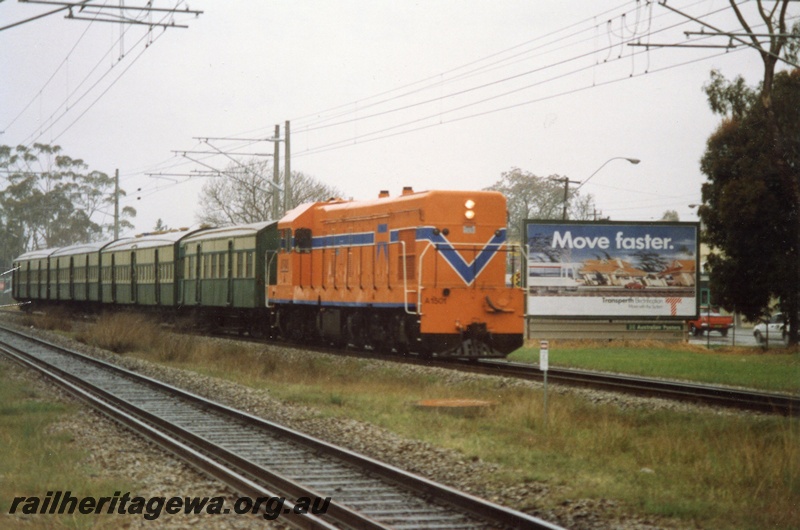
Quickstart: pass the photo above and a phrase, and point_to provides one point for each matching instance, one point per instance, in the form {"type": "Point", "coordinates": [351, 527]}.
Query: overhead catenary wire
{"type": "Point", "coordinates": [71, 101]}
{"type": "Point", "coordinates": [353, 140]}
{"type": "Point", "coordinates": [371, 136]}
{"type": "Point", "coordinates": [303, 127]}
{"type": "Point", "coordinates": [413, 125]}
{"type": "Point", "coordinates": [52, 76]}
{"type": "Point", "coordinates": [308, 127]}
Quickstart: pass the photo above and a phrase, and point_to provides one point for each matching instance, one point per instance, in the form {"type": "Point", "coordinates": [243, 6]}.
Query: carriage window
{"type": "Point", "coordinates": [248, 268]}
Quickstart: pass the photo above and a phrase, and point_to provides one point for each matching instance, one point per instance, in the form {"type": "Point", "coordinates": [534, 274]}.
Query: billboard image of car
{"type": "Point", "coordinates": [611, 269]}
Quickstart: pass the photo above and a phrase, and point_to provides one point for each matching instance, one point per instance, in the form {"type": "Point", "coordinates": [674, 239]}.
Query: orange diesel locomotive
{"type": "Point", "coordinates": [422, 272]}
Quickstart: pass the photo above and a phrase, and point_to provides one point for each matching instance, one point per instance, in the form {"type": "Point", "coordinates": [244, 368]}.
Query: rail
{"type": "Point", "coordinates": [218, 439]}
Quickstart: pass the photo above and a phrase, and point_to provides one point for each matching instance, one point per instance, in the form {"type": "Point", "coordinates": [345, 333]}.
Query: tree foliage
{"type": "Point", "coordinates": [52, 200]}
{"type": "Point", "coordinates": [729, 98]}
{"type": "Point", "coordinates": [752, 199]}
{"type": "Point", "coordinates": [529, 196]}
{"type": "Point", "coordinates": [670, 216]}
{"type": "Point", "coordinates": [750, 202]}
{"type": "Point", "coordinates": [244, 194]}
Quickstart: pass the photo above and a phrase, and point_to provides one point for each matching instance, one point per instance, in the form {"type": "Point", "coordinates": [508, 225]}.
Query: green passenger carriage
{"type": "Point", "coordinates": [225, 267]}
{"type": "Point", "coordinates": [143, 270]}
{"type": "Point", "coordinates": [32, 275]}
{"type": "Point", "coordinates": [75, 271]}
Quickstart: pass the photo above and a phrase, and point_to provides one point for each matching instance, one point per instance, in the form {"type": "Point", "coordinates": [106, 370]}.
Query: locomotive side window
{"type": "Point", "coordinates": [286, 240]}
{"type": "Point", "coordinates": [302, 239]}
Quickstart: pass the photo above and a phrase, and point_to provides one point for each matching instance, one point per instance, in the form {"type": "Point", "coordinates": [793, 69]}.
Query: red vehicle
{"type": "Point", "coordinates": [709, 321]}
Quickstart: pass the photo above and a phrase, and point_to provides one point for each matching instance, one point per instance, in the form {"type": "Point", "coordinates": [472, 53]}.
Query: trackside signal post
{"type": "Point", "coordinates": [544, 362]}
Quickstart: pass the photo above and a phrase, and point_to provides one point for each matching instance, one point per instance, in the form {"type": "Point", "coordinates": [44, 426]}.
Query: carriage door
{"type": "Point", "coordinates": [113, 279]}
{"type": "Point", "coordinates": [134, 293]}
{"type": "Point", "coordinates": [229, 273]}
{"type": "Point", "coordinates": [157, 273]}
{"type": "Point", "coordinates": [198, 271]}
{"type": "Point", "coordinates": [71, 289]}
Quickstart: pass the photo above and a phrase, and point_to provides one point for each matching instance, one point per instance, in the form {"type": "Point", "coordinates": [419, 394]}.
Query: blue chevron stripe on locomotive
{"type": "Point", "coordinates": [467, 271]}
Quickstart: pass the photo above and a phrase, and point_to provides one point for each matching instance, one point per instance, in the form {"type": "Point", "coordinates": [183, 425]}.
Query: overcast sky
{"type": "Point", "coordinates": [441, 94]}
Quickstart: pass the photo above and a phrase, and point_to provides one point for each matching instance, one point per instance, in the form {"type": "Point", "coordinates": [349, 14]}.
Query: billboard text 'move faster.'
{"type": "Point", "coordinates": [612, 269]}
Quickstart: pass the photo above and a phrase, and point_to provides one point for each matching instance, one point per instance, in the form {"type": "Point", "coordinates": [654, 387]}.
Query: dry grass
{"type": "Point", "coordinates": [122, 333]}
{"type": "Point", "coordinates": [57, 318]}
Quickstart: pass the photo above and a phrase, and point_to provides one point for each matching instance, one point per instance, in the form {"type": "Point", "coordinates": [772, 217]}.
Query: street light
{"type": "Point", "coordinates": [633, 161]}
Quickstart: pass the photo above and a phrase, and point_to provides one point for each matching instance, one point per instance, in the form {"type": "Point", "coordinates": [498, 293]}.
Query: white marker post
{"type": "Point", "coordinates": [544, 350]}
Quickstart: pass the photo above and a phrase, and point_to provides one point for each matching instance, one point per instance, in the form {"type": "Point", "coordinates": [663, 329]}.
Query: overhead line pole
{"type": "Point", "coordinates": [276, 175]}
{"type": "Point", "coordinates": [116, 204]}
{"type": "Point", "coordinates": [566, 182]}
{"type": "Point", "coordinates": [287, 182]}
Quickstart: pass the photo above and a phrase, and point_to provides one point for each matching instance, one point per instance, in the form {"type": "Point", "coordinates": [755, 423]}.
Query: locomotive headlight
{"type": "Point", "coordinates": [470, 213]}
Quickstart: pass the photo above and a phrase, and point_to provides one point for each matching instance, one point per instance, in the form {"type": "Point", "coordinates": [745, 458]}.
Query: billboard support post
{"type": "Point", "coordinates": [544, 362]}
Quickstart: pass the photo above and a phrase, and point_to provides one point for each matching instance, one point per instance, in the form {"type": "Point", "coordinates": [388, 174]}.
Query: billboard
{"type": "Point", "coordinates": [611, 269]}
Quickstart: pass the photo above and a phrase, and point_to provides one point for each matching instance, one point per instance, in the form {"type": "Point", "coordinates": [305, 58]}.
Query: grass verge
{"type": "Point", "coordinates": [705, 470]}
{"type": "Point", "coordinates": [773, 371]}
{"type": "Point", "coordinates": [37, 459]}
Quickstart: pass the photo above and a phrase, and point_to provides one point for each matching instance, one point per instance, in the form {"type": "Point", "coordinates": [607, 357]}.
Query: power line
{"type": "Point", "coordinates": [52, 76]}
{"type": "Point", "coordinates": [360, 107]}
{"type": "Point", "coordinates": [93, 103]}
{"type": "Point", "coordinates": [392, 131]}
{"type": "Point", "coordinates": [349, 142]}
{"type": "Point", "coordinates": [506, 79]}
{"type": "Point", "coordinates": [55, 117]}
{"type": "Point", "coordinates": [371, 136]}
{"type": "Point", "coordinates": [36, 17]}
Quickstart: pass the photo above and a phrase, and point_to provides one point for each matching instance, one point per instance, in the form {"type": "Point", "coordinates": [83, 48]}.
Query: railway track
{"type": "Point", "coordinates": [260, 459]}
{"type": "Point", "coordinates": [784, 404]}
{"type": "Point", "coordinates": [742, 399]}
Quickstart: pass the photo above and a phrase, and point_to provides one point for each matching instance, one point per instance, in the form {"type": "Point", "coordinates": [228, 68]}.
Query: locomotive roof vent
{"type": "Point", "coordinates": [383, 194]}
{"type": "Point", "coordinates": [408, 190]}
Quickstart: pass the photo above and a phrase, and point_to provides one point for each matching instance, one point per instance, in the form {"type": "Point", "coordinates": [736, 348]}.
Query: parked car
{"type": "Point", "coordinates": [777, 327]}
{"type": "Point", "coordinates": [710, 321]}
